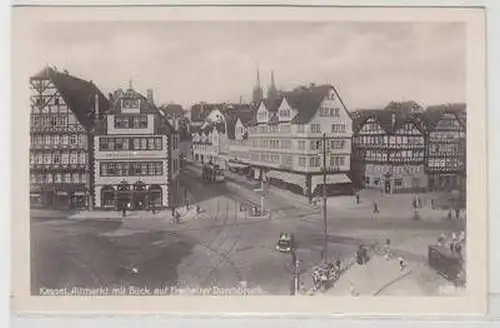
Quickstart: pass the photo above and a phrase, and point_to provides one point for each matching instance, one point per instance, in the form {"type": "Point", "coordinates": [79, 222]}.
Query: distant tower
{"type": "Point", "coordinates": [257, 94]}
{"type": "Point", "coordinates": [272, 92]}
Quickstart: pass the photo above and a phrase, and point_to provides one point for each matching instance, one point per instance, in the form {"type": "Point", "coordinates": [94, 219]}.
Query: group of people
{"type": "Point", "coordinates": [455, 242]}
{"type": "Point", "coordinates": [323, 277]}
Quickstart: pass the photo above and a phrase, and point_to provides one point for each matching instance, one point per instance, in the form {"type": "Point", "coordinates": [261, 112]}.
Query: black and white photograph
{"type": "Point", "coordinates": [241, 158]}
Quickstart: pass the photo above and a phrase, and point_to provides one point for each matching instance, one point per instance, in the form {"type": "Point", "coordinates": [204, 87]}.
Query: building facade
{"type": "Point", "coordinates": [63, 111]}
{"type": "Point", "coordinates": [446, 147]}
{"type": "Point", "coordinates": [283, 143]}
{"type": "Point", "coordinates": [136, 156]}
{"type": "Point", "coordinates": [389, 148]}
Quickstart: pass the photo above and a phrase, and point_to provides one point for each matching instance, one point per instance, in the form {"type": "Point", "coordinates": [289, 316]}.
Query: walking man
{"type": "Point", "coordinates": [375, 208]}
{"type": "Point", "coordinates": [357, 198]}
{"type": "Point", "coordinates": [457, 213]}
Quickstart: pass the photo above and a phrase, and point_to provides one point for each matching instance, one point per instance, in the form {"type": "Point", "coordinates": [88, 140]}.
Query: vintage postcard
{"type": "Point", "coordinates": [274, 160]}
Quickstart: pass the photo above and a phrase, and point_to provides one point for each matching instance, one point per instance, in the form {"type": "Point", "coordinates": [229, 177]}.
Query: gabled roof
{"type": "Point", "coordinates": [273, 104]}
{"type": "Point", "coordinates": [77, 93]}
{"type": "Point", "coordinates": [145, 106]}
{"type": "Point", "coordinates": [433, 114]}
{"type": "Point", "coordinates": [306, 100]}
{"type": "Point", "coordinates": [244, 114]}
{"type": "Point", "coordinates": [389, 120]}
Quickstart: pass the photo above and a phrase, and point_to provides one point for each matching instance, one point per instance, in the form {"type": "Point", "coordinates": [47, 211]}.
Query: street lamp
{"type": "Point", "coordinates": [325, 221]}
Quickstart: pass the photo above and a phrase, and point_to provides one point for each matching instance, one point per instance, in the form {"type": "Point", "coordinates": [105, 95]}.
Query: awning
{"type": "Point", "coordinates": [330, 179]}
{"type": "Point", "coordinates": [78, 193]}
{"type": "Point", "coordinates": [293, 178]}
{"type": "Point", "coordinates": [61, 193]}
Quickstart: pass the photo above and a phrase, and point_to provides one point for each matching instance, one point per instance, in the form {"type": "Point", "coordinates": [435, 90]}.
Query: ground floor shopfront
{"type": "Point", "coordinates": [391, 179]}
{"type": "Point", "coordinates": [132, 196]}
{"type": "Point", "coordinates": [307, 184]}
{"type": "Point", "coordinates": [60, 196]}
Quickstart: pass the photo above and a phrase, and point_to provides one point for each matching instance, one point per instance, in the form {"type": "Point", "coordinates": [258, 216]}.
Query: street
{"type": "Point", "coordinates": [225, 248]}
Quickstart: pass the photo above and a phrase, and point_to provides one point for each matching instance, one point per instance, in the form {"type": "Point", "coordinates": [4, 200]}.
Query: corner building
{"type": "Point", "coordinates": [135, 156]}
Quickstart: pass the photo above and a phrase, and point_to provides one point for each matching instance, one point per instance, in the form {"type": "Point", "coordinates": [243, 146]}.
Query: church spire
{"type": "Point", "coordinates": [272, 92]}
{"type": "Point", "coordinates": [257, 94]}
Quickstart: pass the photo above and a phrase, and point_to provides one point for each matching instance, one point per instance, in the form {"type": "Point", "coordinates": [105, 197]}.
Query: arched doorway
{"type": "Point", "coordinates": [155, 196]}
{"type": "Point", "coordinates": [140, 196]}
{"type": "Point", "coordinates": [107, 197]}
{"type": "Point", "coordinates": [123, 195]}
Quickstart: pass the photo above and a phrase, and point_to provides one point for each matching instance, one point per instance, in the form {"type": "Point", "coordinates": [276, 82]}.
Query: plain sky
{"type": "Point", "coordinates": [371, 64]}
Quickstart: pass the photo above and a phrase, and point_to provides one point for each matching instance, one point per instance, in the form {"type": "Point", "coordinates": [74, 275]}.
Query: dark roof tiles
{"type": "Point", "coordinates": [77, 93]}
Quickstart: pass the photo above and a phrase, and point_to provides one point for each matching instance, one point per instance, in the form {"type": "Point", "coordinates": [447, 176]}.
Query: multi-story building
{"type": "Point", "coordinates": [446, 146]}
{"type": "Point", "coordinates": [211, 139]}
{"type": "Point", "coordinates": [136, 155]}
{"type": "Point", "coordinates": [62, 119]}
{"type": "Point", "coordinates": [389, 148]}
{"type": "Point", "coordinates": [282, 144]}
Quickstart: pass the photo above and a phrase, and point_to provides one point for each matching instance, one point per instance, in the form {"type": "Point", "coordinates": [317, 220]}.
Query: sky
{"type": "Point", "coordinates": [370, 64]}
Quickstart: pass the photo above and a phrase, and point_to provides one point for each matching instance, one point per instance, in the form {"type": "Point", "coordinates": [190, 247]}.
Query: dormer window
{"type": "Point", "coordinates": [331, 95]}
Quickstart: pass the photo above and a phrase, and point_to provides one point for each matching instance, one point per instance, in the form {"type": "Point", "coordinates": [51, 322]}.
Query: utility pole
{"type": "Point", "coordinates": [262, 195]}
{"type": "Point", "coordinates": [325, 250]}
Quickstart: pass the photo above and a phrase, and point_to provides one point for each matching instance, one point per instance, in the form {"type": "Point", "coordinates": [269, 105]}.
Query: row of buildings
{"type": "Point", "coordinates": [400, 148]}
{"type": "Point", "coordinates": [92, 151]}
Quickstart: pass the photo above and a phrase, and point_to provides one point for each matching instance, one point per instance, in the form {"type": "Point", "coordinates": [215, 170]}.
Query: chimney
{"type": "Point", "coordinates": [150, 96]}
{"type": "Point", "coordinates": [393, 118]}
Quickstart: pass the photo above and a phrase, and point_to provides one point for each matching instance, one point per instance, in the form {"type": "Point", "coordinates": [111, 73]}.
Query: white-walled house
{"type": "Point", "coordinates": [136, 156]}
{"type": "Point", "coordinates": [281, 143]}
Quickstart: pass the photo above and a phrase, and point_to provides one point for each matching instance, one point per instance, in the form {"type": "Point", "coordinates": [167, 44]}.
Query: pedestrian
{"type": "Point", "coordinates": [375, 208]}
{"type": "Point", "coordinates": [457, 213]}
{"type": "Point", "coordinates": [173, 211]}
{"type": "Point", "coordinates": [357, 198]}
{"type": "Point", "coordinates": [419, 202]}
{"type": "Point", "coordinates": [415, 203]}
{"type": "Point", "coordinates": [187, 205]}
{"type": "Point", "coordinates": [402, 264]}
{"type": "Point", "coordinates": [124, 211]}
{"type": "Point", "coordinates": [449, 214]}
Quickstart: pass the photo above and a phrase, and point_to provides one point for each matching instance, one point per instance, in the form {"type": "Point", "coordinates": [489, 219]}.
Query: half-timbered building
{"type": "Point", "coordinates": [389, 148]}
{"type": "Point", "coordinates": [61, 155]}
{"type": "Point", "coordinates": [446, 146]}
{"type": "Point", "coordinates": [136, 156]}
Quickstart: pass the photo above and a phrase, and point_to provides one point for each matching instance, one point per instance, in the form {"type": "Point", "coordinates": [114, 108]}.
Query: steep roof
{"type": "Point", "coordinates": [245, 113]}
{"type": "Point", "coordinates": [306, 100]}
{"type": "Point", "coordinates": [389, 120]}
{"type": "Point", "coordinates": [433, 114]}
{"type": "Point", "coordinates": [146, 107]}
{"type": "Point", "coordinates": [77, 93]}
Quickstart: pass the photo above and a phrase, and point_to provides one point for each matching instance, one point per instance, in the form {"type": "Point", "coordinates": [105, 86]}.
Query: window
{"type": "Point", "coordinates": [56, 158]}
{"type": "Point", "coordinates": [323, 111]}
{"type": "Point", "coordinates": [338, 127]}
{"type": "Point", "coordinates": [314, 161]}
{"type": "Point", "coordinates": [302, 144]}
{"type": "Point", "coordinates": [337, 144]}
{"type": "Point", "coordinates": [367, 180]}
{"type": "Point", "coordinates": [131, 121]}
{"type": "Point", "coordinates": [72, 139]}
{"type": "Point", "coordinates": [398, 182]}
{"type": "Point", "coordinates": [315, 128]}
{"type": "Point", "coordinates": [302, 161]}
